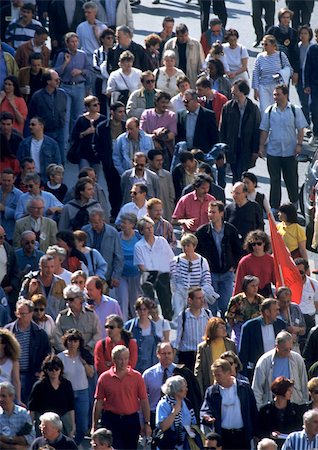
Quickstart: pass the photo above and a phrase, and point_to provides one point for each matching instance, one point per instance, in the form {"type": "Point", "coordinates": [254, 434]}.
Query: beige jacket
{"type": "Point", "coordinates": [47, 235]}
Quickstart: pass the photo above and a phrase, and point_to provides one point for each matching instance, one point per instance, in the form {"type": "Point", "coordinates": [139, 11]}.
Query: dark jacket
{"type": "Point", "coordinates": [213, 402]}
{"type": "Point", "coordinates": [58, 22]}
{"type": "Point", "coordinates": [251, 345]}
{"type": "Point", "coordinates": [49, 153]}
{"type": "Point", "coordinates": [250, 132]}
{"type": "Point", "coordinates": [178, 178]}
{"type": "Point", "coordinates": [102, 142]}
{"type": "Point", "coordinates": [310, 352]}
{"type": "Point", "coordinates": [271, 420]}
{"type": "Point", "coordinates": [39, 346]}
{"type": "Point", "coordinates": [205, 133]}
{"type": "Point", "coordinates": [291, 50]}
{"type": "Point", "coordinates": [246, 218]}
{"type": "Point", "coordinates": [311, 67]}
{"type": "Point", "coordinates": [231, 247]}
{"type": "Point", "coordinates": [53, 115]}
{"type": "Point", "coordinates": [11, 278]}
{"type": "Point", "coordinates": [137, 50]}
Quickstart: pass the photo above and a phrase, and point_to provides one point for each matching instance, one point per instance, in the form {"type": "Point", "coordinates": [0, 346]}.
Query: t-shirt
{"type": "Point", "coordinates": [292, 234]}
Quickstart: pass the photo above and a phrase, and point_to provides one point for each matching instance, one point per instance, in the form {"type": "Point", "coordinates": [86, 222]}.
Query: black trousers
{"type": "Point", "coordinates": [287, 166]}
{"type": "Point", "coordinates": [125, 429]}
{"type": "Point", "coordinates": [257, 11]}
{"type": "Point", "coordinates": [161, 283]}
{"type": "Point", "coordinates": [113, 182]}
{"type": "Point", "coordinates": [188, 359]}
{"type": "Point", "coordinates": [219, 9]}
{"type": "Point", "coordinates": [235, 440]}
{"type": "Point", "coordinates": [302, 11]}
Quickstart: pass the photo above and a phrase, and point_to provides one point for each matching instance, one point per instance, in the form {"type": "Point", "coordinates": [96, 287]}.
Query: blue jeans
{"type": "Point", "coordinates": [223, 285]}
{"type": "Point", "coordinates": [81, 403]}
{"type": "Point", "coordinates": [74, 107]}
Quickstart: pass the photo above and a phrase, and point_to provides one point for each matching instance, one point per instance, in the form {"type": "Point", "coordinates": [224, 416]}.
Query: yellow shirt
{"type": "Point", "coordinates": [217, 348]}
{"type": "Point", "coordinates": [292, 234]}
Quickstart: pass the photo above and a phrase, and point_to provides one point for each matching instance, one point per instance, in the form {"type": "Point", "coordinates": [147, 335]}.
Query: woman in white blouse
{"type": "Point", "coordinates": [236, 56]}
{"type": "Point", "coordinates": [124, 80]}
{"type": "Point", "coordinates": [166, 76]}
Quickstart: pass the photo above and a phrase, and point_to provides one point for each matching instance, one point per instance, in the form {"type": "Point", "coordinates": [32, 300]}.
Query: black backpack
{"type": "Point", "coordinates": [81, 218]}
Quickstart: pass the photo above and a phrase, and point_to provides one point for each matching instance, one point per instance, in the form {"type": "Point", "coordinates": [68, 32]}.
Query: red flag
{"type": "Point", "coordinates": [286, 271]}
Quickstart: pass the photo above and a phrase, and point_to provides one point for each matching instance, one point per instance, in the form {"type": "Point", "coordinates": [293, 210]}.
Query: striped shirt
{"type": "Point", "coordinates": [266, 66]}
{"type": "Point", "coordinates": [23, 337]}
{"type": "Point", "coordinates": [192, 331]}
{"type": "Point", "coordinates": [186, 274]}
{"type": "Point", "coordinates": [299, 441]}
{"type": "Point", "coordinates": [19, 34]}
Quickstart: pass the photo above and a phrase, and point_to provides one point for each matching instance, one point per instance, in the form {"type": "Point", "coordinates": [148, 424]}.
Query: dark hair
{"type": "Point", "coordinates": [40, 30]}
{"type": "Point", "coordinates": [267, 304]}
{"type": "Point", "coordinates": [193, 290]}
{"type": "Point", "coordinates": [219, 67]}
{"type": "Point", "coordinates": [16, 87]}
{"type": "Point", "coordinates": [125, 30]}
{"type": "Point", "coordinates": [161, 95]}
{"type": "Point", "coordinates": [203, 82]}
{"type": "Point", "coordinates": [146, 301]}
{"type": "Point", "coordinates": [206, 167]}
{"type": "Point", "coordinates": [215, 21]}
{"type": "Point", "coordinates": [152, 39]}
{"type": "Point", "coordinates": [35, 56]}
{"type": "Point", "coordinates": [214, 437]}
{"type": "Point", "coordinates": [146, 73]}
{"type": "Point", "coordinates": [8, 171]}
{"type": "Point", "coordinates": [29, 7]}
{"type": "Point", "coordinates": [250, 176]}
{"type": "Point", "coordinates": [80, 186]}
{"type": "Point", "coordinates": [6, 151]}
{"type": "Point", "coordinates": [290, 211]}
{"type": "Point", "coordinates": [256, 235]}
{"type": "Point", "coordinates": [116, 105]}
{"type": "Point", "coordinates": [5, 115]}
{"type": "Point", "coordinates": [302, 261]}
{"type": "Point", "coordinates": [73, 335]}
{"type": "Point", "coordinates": [200, 179]}
{"type": "Point", "coordinates": [84, 172]}
{"type": "Point", "coordinates": [220, 205]}
{"type": "Point", "coordinates": [182, 29]}
{"type": "Point", "coordinates": [306, 27]}
{"type": "Point", "coordinates": [50, 362]}
{"type": "Point", "coordinates": [39, 119]}
{"type": "Point", "coordinates": [46, 76]}
{"type": "Point", "coordinates": [281, 385]}
{"type": "Point", "coordinates": [98, 282]}
{"type": "Point", "coordinates": [237, 361]}
{"type": "Point", "coordinates": [25, 160]}
{"type": "Point", "coordinates": [248, 279]}
{"type": "Point", "coordinates": [66, 236]}
{"type": "Point", "coordinates": [283, 87]}
{"type": "Point", "coordinates": [125, 334]}
{"type": "Point", "coordinates": [152, 153]}
{"type": "Point", "coordinates": [186, 156]}
{"type": "Point", "coordinates": [231, 32]}
{"type": "Point", "coordinates": [242, 86]}
{"type": "Point", "coordinates": [106, 32]}
{"type": "Point", "coordinates": [182, 79]}
{"type": "Point", "coordinates": [143, 187]}
{"type": "Point", "coordinates": [168, 19]}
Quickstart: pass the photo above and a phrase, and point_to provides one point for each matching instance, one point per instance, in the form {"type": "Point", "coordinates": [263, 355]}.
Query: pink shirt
{"type": "Point", "coordinates": [150, 121]}
{"type": "Point", "coordinates": [189, 207]}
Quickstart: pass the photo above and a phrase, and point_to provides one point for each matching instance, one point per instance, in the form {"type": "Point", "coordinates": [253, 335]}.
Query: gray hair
{"type": "Point", "coordinates": [55, 250]}
{"type": "Point", "coordinates": [130, 217]}
{"type": "Point", "coordinates": [53, 419]}
{"type": "Point", "coordinates": [125, 30]}
{"type": "Point", "coordinates": [282, 337]}
{"type": "Point", "coordinates": [117, 350]}
{"type": "Point", "coordinates": [310, 415]}
{"type": "Point", "coordinates": [37, 198]}
{"type": "Point", "coordinates": [44, 259]}
{"type": "Point", "coordinates": [24, 302]}
{"type": "Point", "coordinates": [9, 387]}
{"type": "Point", "coordinates": [90, 5]}
{"type": "Point", "coordinates": [26, 233]}
{"type": "Point", "coordinates": [173, 385]}
{"type": "Point", "coordinates": [142, 222]}
{"type": "Point", "coordinates": [103, 436]}
{"type": "Point", "coordinates": [265, 442]}
{"type": "Point", "coordinates": [169, 54]}
{"type": "Point", "coordinates": [32, 177]}
{"type": "Point", "coordinates": [72, 291]}
{"type": "Point", "coordinates": [97, 212]}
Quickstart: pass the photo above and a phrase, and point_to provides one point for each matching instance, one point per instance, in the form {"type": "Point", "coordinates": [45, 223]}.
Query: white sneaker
{"type": "Point", "coordinates": [313, 140]}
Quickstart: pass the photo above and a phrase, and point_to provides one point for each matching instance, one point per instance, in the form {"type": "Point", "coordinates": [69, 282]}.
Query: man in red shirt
{"type": "Point", "coordinates": [120, 394]}
{"type": "Point", "coordinates": [192, 209]}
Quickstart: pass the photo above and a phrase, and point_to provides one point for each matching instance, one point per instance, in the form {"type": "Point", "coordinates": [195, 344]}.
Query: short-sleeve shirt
{"type": "Point", "coordinates": [121, 396]}
{"type": "Point", "coordinates": [292, 235]}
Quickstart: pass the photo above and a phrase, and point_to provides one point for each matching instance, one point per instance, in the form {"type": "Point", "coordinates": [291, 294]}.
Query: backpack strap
{"type": "Point", "coordinates": [183, 323]}
{"type": "Point", "coordinates": [104, 347]}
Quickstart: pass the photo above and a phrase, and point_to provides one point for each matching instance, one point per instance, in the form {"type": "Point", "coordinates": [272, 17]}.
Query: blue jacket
{"type": "Point", "coordinates": [121, 151]}
{"type": "Point", "coordinates": [7, 216]}
{"type": "Point", "coordinates": [49, 153]}
{"type": "Point", "coordinates": [251, 343]}
{"type": "Point", "coordinates": [212, 406]}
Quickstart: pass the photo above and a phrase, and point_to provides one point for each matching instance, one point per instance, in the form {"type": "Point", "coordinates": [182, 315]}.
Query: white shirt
{"type": "Point", "coordinates": [35, 153]}
{"type": "Point", "coordinates": [268, 336]}
{"type": "Point", "coordinates": [234, 56]}
{"type": "Point", "coordinates": [131, 207]}
{"type": "Point", "coordinates": [3, 262]}
{"type": "Point", "coordinates": [155, 257]}
{"type": "Point", "coordinates": [309, 296]}
{"type": "Point", "coordinates": [231, 408]}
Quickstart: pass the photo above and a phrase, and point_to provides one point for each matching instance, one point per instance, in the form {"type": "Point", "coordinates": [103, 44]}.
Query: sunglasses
{"type": "Point", "coordinates": [51, 368]}
{"type": "Point", "coordinates": [33, 124]}
{"type": "Point", "coordinates": [111, 327]}
{"type": "Point", "coordinates": [70, 299]}
{"type": "Point", "coordinates": [149, 81]}
{"type": "Point", "coordinates": [253, 244]}
{"type": "Point", "coordinates": [39, 309]}
{"type": "Point", "coordinates": [29, 186]}
{"type": "Point", "coordinates": [134, 193]}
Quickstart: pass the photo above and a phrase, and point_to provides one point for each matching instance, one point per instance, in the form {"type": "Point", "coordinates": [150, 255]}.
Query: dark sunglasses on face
{"type": "Point", "coordinates": [111, 327]}
{"type": "Point", "coordinates": [29, 186]}
{"type": "Point", "coordinates": [149, 81]}
{"type": "Point", "coordinates": [253, 244]}
{"type": "Point", "coordinates": [39, 309]}
{"type": "Point", "coordinates": [51, 368]}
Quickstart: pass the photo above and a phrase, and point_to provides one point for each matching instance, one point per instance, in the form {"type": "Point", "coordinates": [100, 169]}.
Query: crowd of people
{"type": "Point", "coordinates": [145, 307]}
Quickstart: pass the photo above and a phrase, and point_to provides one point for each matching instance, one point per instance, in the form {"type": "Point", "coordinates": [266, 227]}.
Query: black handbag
{"type": "Point", "coordinates": [165, 440]}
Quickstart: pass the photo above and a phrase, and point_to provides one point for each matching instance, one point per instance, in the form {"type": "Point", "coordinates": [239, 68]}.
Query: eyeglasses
{"type": "Point", "coordinates": [33, 124]}
{"type": "Point", "coordinates": [253, 244]}
{"type": "Point", "coordinates": [134, 193]}
{"type": "Point", "coordinates": [149, 81]}
{"type": "Point", "coordinates": [30, 186]}
{"type": "Point", "coordinates": [39, 309]}
{"type": "Point", "coordinates": [51, 368]}
{"type": "Point", "coordinates": [190, 267]}
{"type": "Point", "coordinates": [111, 327]}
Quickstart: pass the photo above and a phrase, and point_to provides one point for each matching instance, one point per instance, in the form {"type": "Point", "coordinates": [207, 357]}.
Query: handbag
{"type": "Point", "coordinates": [121, 95]}
{"type": "Point", "coordinates": [164, 440]}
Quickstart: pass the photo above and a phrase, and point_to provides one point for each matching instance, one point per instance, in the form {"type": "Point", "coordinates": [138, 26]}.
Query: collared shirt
{"type": "Point", "coordinates": [231, 408]}
{"type": "Point", "coordinates": [299, 441]}
{"type": "Point", "coordinates": [150, 121]}
{"type": "Point", "coordinates": [309, 296]}
{"type": "Point", "coordinates": [106, 307]}
{"type": "Point", "coordinates": [131, 207]}
{"type": "Point", "coordinates": [191, 122]}
{"type": "Point", "coordinates": [282, 126]}
{"type": "Point", "coordinates": [35, 152]}
{"type": "Point", "coordinates": [193, 330]}
{"type": "Point", "coordinates": [190, 207]}
{"type": "Point", "coordinates": [87, 37]}
{"type": "Point", "coordinates": [23, 260]}
{"type": "Point", "coordinates": [98, 238]}
{"type": "Point", "coordinates": [136, 179]}
{"type": "Point", "coordinates": [79, 60]}
{"type": "Point", "coordinates": [49, 201]}
{"type": "Point", "coordinates": [268, 336]}
{"type": "Point", "coordinates": [165, 229]}
{"type": "Point", "coordinates": [36, 224]}
{"type": "Point", "coordinates": [10, 425]}
{"type": "Point", "coordinates": [155, 257]}
{"type": "Point", "coordinates": [218, 238]}
{"type": "Point", "coordinates": [153, 380]}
